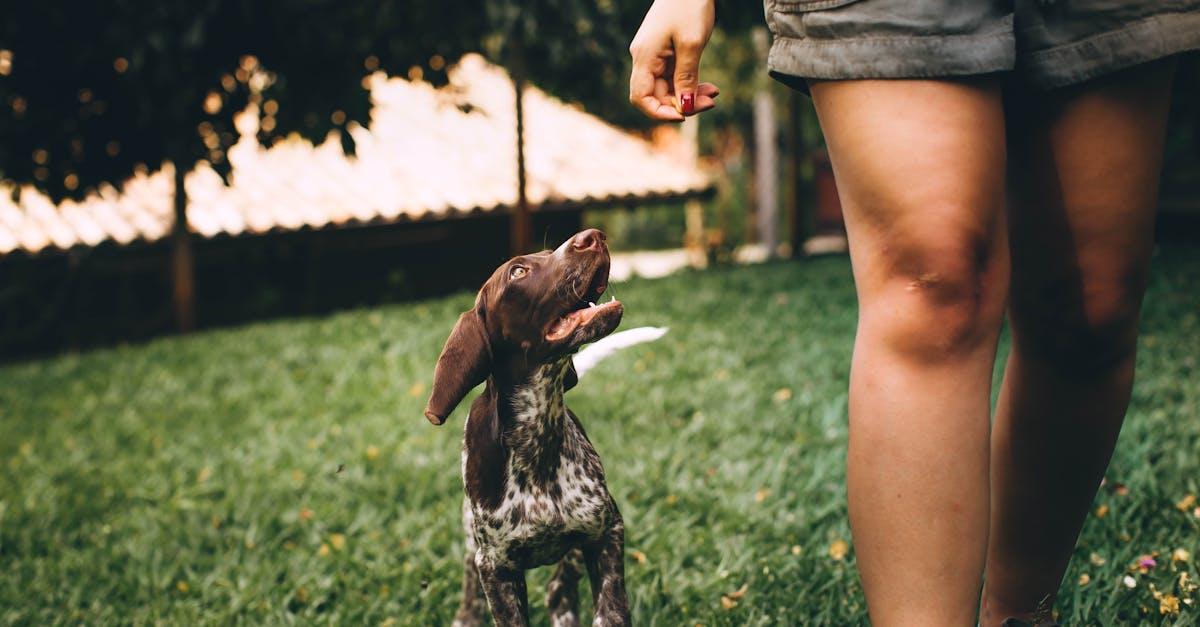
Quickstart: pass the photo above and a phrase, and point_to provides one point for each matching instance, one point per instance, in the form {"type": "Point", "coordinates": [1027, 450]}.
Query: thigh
{"type": "Point", "coordinates": [920, 167]}
{"type": "Point", "coordinates": [1087, 160]}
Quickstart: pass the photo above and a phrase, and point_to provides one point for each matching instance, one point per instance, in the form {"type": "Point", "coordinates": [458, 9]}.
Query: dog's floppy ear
{"type": "Point", "coordinates": [571, 378]}
{"type": "Point", "coordinates": [465, 363]}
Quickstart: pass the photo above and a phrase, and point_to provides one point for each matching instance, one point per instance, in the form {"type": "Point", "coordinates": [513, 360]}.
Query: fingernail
{"type": "Point", "coordinates": [687, 102]}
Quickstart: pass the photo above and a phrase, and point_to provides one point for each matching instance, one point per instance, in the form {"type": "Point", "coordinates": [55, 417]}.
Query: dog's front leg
{"type": "Point", "coordinates": [473, 609]}
{"type": "Point", "coordinates": [606, 569]}
{"type": "Point", "coordinates": [562, 593]}
{"type": "Point", "coordinates": [505, 591]}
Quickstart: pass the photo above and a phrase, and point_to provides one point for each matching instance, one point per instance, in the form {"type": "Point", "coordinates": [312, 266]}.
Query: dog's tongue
{"type": "Point", "coordinates": [563, 327]}
{"type": "Point", "coordinates": [581, 317]}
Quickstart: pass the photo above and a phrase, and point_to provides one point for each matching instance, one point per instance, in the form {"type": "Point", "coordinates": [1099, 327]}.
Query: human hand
{"type": "Point", "coordinates": [666, 52]}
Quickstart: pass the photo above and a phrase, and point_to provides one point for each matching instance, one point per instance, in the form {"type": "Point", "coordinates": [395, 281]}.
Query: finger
{"type": "Point", "coordinates": [708, 89]}
{"type": "Point", "coordinates": [658, 110]}
{"type": "Point", "coordinates": [662, 89]}
{"type": "Point", "coordinates": [642, 88]}
{"type": "Point", "coordinates": [686, 78]}
{"type": "Point", "coordinates": [704, 103]}
{"type": "Point", "coordinates": [648, 91]}
{"type": "Point", "coordinates": [659, 104]}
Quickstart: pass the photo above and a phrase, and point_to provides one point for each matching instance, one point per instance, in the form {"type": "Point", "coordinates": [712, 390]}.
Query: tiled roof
{"type": "Point", "coordinates": [428, 154]}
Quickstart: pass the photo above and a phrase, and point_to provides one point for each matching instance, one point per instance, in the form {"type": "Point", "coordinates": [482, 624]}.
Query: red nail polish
{"type": "Point", "coordinates": [687, 102]}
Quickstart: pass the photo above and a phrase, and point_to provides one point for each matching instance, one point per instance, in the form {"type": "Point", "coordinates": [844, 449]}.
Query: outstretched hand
{"type": "Point", "coordinates": [665, 82]}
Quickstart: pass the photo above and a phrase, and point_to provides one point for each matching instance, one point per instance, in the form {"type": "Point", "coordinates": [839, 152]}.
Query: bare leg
{"type": "Point", "coordinates": [562, 593]}
{"type": "Point", "coordinates": [1081, 244]}
{"type": "Point", "coordinates": [920, 168]}
{"type": "Point", "coordinates": [606, 570]}
{"type": "Point", "coordinates": [506, 593]}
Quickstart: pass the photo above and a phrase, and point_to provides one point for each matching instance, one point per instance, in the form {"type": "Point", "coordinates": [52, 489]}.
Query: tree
{"type": "Point", "coordinates": [89, 92]}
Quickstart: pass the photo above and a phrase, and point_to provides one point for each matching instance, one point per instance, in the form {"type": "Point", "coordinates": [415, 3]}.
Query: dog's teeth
{"type": "Point", "coordinates": [591, 304]}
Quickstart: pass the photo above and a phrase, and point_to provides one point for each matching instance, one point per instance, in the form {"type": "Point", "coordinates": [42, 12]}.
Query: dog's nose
{"type": "Point", "coordinates": [591, 239]}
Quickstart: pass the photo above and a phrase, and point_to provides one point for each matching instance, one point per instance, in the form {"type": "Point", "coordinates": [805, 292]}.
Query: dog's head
{"type": "Point", "coordinates": [534, 309]}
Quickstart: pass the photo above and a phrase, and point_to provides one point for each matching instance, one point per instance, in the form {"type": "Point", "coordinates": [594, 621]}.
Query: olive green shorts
{"type": "Point", "coordinates": [1049, 43]}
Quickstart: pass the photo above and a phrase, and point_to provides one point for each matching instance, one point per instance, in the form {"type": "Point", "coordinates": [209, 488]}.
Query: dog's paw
{"type": "Point", "coordinates": [564, 619]}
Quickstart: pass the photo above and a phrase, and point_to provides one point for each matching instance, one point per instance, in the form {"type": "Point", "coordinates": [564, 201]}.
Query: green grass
{"type": "Point", "coordinates": [194, 480]}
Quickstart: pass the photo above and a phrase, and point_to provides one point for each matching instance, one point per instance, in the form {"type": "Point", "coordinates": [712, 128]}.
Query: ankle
{"type": "Point", "coordinates": [994, 612]}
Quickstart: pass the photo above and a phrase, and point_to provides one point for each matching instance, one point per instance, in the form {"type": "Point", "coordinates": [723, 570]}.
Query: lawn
{"type": "Point", "coordinates": [282, 472]}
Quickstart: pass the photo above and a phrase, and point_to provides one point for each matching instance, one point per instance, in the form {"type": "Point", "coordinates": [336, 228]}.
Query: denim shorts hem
{"type": "Point", "coordinates": [1148, 39]}
{"type": "Point", "coordinates": [792, 60]}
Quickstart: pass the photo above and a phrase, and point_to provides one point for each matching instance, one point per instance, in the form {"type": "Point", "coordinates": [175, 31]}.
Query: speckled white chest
{"type": "Point", "coordinates": [537, 521]}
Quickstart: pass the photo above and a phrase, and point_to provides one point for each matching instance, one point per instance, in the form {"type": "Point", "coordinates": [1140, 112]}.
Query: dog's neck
{"type": "Point", "coordinates": [532, 419]}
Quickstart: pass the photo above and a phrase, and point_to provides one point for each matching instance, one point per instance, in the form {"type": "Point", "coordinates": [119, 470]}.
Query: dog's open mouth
{"type": "Point", "coordinates": [583, 312]}
{"type": "Point", "coordinates": [578, 318]}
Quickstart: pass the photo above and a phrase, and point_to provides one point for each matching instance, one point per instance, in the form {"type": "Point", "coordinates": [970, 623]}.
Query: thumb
{"type": "Point", "coordinates": [687, 74]}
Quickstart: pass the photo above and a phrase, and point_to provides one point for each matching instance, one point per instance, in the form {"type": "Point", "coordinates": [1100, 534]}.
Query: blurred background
{"type": "Point", "coordinates": [177, 165]}
{"type": "Point", "coordinates": [234, 235]}
{"type": "Point", "coordinates": [173, 165]}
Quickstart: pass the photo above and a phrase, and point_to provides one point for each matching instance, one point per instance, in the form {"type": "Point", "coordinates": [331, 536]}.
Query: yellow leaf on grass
{"type": "Point", "coordinates": [204, 475]}
{"type": "Point", "coordinates": [416, 389]}
{"type": "Point", "coordinates": [372, 452]}
{"type": "Point", "coordinates": [1168, 604]}
{"type": "Point", "coordinates": [337, 541]}
{"type": "Point", "coordinates": [671, 499]}
{"type": "Point", "coordinates": [638, 556]}
{"type": "Point", "coordinates": [1180, 556]}
{"type": "Point", "coordinates": [182, 586]}
{"type": "Point", "coordinates": [761, 495]}
{"type": "Point", "coordinates": [839, 549]}
{"type": "Point", "coordinates": [782, 395]}
{"type": "Point", "coordinates": [1084, 580]}
{"type": "Point", "coordinates": [1102, 511]}
{"type": "Point", "coordinates": [324, 550]}
{"type": "Point", "coordinates": [1186, 503]}
{"type": "Point", "coordinates": [796, 549]}
{"type": "Point", "coordinates": [730, 600]}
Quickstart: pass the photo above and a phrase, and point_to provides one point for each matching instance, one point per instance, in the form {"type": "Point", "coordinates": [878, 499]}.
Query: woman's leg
{"type": "Point", "coordinates": [1081, 237]}
{"type": "Point", "coordinates": [920, 167]}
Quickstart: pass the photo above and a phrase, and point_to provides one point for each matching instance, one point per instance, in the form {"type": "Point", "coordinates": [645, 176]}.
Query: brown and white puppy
{"type": "Point", "coordinates": [535, 488]}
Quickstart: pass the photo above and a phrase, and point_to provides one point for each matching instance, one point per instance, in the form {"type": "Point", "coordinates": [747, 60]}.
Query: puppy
{"type": "Point", "coordinates": [535, 488]}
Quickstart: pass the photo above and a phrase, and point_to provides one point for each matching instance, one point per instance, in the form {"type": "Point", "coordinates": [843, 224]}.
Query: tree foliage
{"type": "Point", "coordinates": [91, 91]}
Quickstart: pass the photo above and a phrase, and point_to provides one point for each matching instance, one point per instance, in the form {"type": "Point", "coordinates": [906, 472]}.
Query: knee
{"type": "Point", "coordinates": [1080, 326]}
{"type": "Point", "coordinates": [938, 297]}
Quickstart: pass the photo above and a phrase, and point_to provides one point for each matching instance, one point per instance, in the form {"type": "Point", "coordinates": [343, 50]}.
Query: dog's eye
{"type": "Point", "coordinates": [517, 272]}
